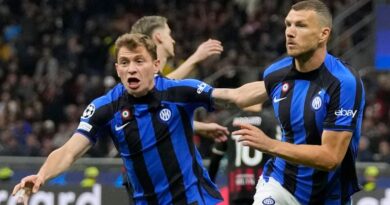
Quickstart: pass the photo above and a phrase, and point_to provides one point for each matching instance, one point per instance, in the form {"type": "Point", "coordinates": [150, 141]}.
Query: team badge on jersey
{"type": "Point", "coordinates": [126, 115]}
{"type": "Point", "coordinates": [285, 87]}
{"type": "Point", "coordinates": [165, 114]}
{"type": "Point", "coordinates": [316, 103]}
{"type": "Point", "coordinates": [88, 112]}
{"type": "Point", "coordinates": [268, 201]}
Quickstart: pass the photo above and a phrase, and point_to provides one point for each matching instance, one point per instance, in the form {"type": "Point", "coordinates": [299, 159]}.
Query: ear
{"type": "Point", "coordinates": [156, 66]}
{"type": "Point", "coordinates": [325, 34]}
{"type": "Point", "coordinates": [157, 37]}
{"type": "Point", "coordinates": [117, 70]}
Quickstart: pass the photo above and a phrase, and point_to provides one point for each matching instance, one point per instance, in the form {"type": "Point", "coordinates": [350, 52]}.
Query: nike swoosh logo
{"type": "Point", "coordinates": [276, 100]}
{"type": "Point", "coordinates": [121, 127]}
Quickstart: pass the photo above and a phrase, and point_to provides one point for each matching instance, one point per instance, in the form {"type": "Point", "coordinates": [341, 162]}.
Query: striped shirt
{"type": "Point", "coordinates": [153, 135]}
{"type": "Point", "coordinates": [328, 98]}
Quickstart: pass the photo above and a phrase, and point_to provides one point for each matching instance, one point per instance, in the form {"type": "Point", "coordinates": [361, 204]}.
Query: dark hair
{"type": "Point", "coordinates": [147, 24]}
{"type": "Point", "coordinates": [319, 7]}
{"type": "Point", "coordinates": [135, 40]}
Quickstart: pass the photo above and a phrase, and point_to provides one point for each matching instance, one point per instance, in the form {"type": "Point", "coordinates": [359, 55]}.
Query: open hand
{"type": "Point", "coordinates": [208, 48]}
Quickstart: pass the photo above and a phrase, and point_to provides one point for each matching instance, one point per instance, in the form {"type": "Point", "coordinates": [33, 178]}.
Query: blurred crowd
{"type": "Point", "coordinates": [56, 56]}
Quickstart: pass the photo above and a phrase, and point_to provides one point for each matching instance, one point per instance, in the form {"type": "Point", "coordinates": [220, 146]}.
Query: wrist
{"type": "Point", "coordinates": [272, 146]}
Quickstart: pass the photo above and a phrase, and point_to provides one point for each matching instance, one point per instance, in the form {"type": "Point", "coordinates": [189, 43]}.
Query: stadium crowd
{"type": "Point", "coordinates": [56, 56]}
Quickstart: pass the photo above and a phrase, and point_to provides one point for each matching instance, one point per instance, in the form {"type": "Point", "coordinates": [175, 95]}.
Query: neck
{"type": "Point", "coordinates": [162, 56]}
{"type": "Point", "coordinates": [310, 61]}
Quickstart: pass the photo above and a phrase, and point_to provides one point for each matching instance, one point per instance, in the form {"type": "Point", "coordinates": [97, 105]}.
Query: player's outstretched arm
{"type": "Point", "coordinates": [211, 130]}
{"type": "Point", "coordinates": [204, 50]}
{"type": "Point", "coordinates": [326, 156]}
{"type": "Point", "coordinates": [247, 95]}
{"type": "Point", "coordinates": [57, 162]}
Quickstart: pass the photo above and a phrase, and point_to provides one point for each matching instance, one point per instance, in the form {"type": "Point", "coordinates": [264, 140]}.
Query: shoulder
{"type": "Point", "coordinates": [163, 83]}
{"type": "Point", "coordinates": [104, 104]}
{"type": "Point", "coordinates": [278, 65]}
{"type": "Point", "coordinates": [111, 96]}
{"type": "Point", "coordinates": [341, 70]}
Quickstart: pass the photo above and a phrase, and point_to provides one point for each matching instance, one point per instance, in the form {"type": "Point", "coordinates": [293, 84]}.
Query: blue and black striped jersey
{"type": "Point", "coordinates": [328, 98]}
{"type": "Point", "coordinates": [153, 135]}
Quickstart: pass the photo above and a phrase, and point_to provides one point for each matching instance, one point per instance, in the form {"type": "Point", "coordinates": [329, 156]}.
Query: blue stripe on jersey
{"type": "Point", "coordinates": [297, 121]}
{"type": "Point", "coordinates": [277, 66]}
{"type": "Point", "coordinates": [183, 154]}
{"type": "Point", "coordinates": [151, 154]}
{"type": "Point", "coordinates": [207, 186]}
{"type": "Point", "coordinates": [296, 114]}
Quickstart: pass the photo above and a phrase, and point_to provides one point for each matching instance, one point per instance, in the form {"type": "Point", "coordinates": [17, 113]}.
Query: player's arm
{"type": "Point", "coordinates": [206, 49]}
{"type": "Point", "coordinates": [326, 156]}
{"type": "Point", "coordinates": [247, 95]}
{"type": "Point", "coordinates": [211, 130]}
{"type": "Point", "coordinates": [57, 162]}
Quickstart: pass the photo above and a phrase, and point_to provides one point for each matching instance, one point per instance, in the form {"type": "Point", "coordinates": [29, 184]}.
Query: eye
{"type": "Point", "coordinates": [123, 62]}
{"type": "Point", "coordinates": [139, 60]}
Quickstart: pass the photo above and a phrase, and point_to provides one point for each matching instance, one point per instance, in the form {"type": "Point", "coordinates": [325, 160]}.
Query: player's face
{"type": "Point", "coordinates": [303, 32]}
{"type": "Point", "coordinates": [136, 69]}
{"type": "Point", "coordinates": [167, 41]}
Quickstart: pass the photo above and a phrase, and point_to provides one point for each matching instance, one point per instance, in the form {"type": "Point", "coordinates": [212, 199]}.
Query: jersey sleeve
{"type": "Point", "coordinates": [95, 119]}
{"type": "Point", "coordinates": [346, 102]}
{"type": "Point", "coordinates": [194, 93]}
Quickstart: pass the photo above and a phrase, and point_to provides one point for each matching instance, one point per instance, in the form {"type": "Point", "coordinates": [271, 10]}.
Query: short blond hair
{"type": "Point", "coordinates": [135, 40]}
{"type": "Point", "coordinates": [317, 6]}
{"type": "Point", "coordinates": [147, 24]}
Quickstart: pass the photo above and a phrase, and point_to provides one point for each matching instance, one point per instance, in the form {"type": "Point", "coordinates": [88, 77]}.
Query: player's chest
{"type": "Point", "coordinates": [143, 119]}
{"type": "Point", "coordinates": [295, 101]}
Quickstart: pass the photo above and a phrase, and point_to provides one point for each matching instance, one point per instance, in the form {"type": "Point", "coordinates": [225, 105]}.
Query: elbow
{"type": "Point", "coordinates": [331, 164]}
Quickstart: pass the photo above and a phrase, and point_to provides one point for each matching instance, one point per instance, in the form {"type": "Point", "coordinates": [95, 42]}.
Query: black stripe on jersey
{"type": "Point", "coordinates": [284, 117]}
{"type": "Point", "coordinates": [169, 160]}
{"type": "Point", "coordinates": [276, 77]}
{"type": "Point", "coordinates": [135, 148]}
{"type": "Point", "coordinates": [198, 171]}
{"type": "Point", "coordinates": [313, 137]}
{"type": "Point", "coordinates": [348, 175]}
{"type": "Point", "coordinates": [185, 94]}
{"type": "Point", "coordinates": [332, 84]}
{"type": "Point", "coordinates": [358, 99]}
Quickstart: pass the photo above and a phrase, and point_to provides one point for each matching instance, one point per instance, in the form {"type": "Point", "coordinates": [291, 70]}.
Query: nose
{"type": "Point", "coordinates": [132, 68]}
{"type": "Point", "coordinates": [290, 32]}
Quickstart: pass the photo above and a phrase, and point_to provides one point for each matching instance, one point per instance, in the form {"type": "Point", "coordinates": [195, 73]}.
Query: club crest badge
{"type": "Point", "coordinates": [268, 201]}
{"type": "Point", "coordinates": [165, 114]}
{"type": "Point", "coordinates": [316, 103]}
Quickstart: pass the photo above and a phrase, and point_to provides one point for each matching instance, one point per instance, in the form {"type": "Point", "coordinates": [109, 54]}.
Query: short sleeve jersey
{"type": "Point", "coordinates": [330, 97]}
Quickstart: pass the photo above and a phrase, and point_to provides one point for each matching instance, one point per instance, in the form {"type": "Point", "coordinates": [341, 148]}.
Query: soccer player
{"type": "Point", "coordinates": [245, 164]}
{"type": "Point", "coordinates": [318, 100]}
{"type": "Point", "coordinates": [157, 28]}
{"type": "Point", "coordinates": [149, 118]}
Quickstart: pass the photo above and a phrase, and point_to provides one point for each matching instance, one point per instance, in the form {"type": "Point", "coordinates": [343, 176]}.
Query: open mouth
{"type": "Point", "coordinates": [133, 83]}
